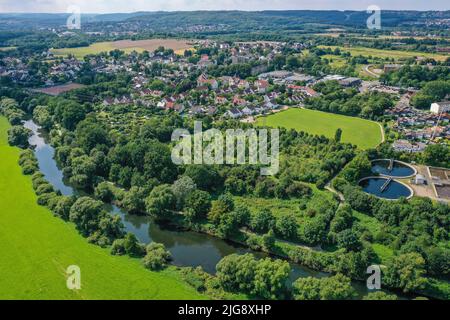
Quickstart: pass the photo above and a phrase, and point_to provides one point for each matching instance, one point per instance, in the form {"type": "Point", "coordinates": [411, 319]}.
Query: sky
{"type": "Point", "coordinates": [116, 6]}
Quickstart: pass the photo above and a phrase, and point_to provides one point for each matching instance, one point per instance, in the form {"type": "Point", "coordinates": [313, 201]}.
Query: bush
{"type": "Point", "coordinates": [132, 246]}
{"type": "Point", "coordinates": [44, 188]}
{"type": "Point", "coordinates": [337, 287]}
{"type": "Point", "coordinates": [286, 226]}
{"type": "Point", "coordinates": [18, 136]}
{"type": "Point", "coordinates": [44, 199]}
{"type": "Point", "coordinates": [118, 247]}
{"type": "Point", "coordinates": [262, 221]}
{"type": "Point", "coordinates": [28, 162]}
{"type": "Point", "coordinates": [104, 193]}
{"type": "Point", "coordinates": [380, 295]}
{"type": "Point", "coordinates": [157, 256]}
{"type": "Point", "coordinates": [198, 203]}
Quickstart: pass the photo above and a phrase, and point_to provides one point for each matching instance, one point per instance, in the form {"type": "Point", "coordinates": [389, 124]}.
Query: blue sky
{"type": "Point", "coordinates": [104, 6]}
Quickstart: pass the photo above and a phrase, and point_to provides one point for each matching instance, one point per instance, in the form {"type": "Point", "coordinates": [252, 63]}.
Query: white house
{"type": "Point", "coordinates": [439, 107]}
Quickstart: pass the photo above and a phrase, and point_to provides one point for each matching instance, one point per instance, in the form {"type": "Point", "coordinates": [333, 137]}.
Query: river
{"type": "Point", "coordinates": [188, 249]}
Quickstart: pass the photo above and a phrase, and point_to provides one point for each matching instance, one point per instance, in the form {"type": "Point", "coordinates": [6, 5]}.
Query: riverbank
{"type": "Point", "coordinates": [38, 247]}
{"type": "Point", "coordinates": [191, 249]}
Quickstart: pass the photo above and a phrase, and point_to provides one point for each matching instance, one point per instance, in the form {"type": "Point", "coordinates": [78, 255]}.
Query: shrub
{"type": "Point", "coordinates": [157, 256]}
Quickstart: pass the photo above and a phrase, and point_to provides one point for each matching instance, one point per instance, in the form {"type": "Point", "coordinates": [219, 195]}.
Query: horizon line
{"type": "Point", "coordinates": [221, 10]}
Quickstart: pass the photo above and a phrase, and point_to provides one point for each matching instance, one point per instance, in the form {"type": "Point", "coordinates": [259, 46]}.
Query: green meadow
{"type": "Point", "coordinates": [36, 248]}
{"type": "Point", "coordinates": [81, 52]}
{"type": "Point", "coordinates": [363, 133]}
{"type": "Point", "coordinates": [381, 53]}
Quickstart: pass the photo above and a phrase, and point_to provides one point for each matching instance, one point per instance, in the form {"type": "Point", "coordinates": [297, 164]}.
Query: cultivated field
{"type": "Point", "coordinates": [179, 46]}
{"type": "Point", "coordinates": [396, 54]}
{"type": "Point", "coordinates": [57, 90]}
{"type": "Point", "coordinates": [36, 248]}
{"type": "Point", "coordinates": [363, 133]}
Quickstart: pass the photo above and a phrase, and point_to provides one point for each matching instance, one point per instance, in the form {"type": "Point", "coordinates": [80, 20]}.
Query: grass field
{"type": "Point", "coordinates": [396, 54]}
{"type": "Point", "coordinates": [125, 45]}
{"type": "Point", "coordinates": [363, 133]}
{"type": "Point", "coordinates": [36, 248]}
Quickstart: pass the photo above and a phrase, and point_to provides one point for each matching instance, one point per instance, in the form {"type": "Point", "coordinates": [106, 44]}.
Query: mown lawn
{"type": "Point", "coordinates": [36, 248]}
{"type": "Point", "coordinates": [363, 133]}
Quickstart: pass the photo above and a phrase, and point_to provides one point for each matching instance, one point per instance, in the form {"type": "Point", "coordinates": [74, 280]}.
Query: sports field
{"type": "Point", "coordinates": [396, 54]}
{"type": "Point", "coordinates": [36, 248]}
{"type": "Point", "coordinates": [363, 133]}
{"type": "Point", "coordinates": [126, 45]}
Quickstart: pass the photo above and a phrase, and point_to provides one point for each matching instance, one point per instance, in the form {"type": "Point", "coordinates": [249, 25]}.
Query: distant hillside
{"type": "Point", "coordinates": [237, 20]}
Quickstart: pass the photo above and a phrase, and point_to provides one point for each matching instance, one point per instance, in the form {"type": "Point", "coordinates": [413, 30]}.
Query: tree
{"type": "Point", "coordinates": [315, 231]}
{"type": "Point", "coordinates": [227, 224]}
{"type": "Point", "coordinates": [286, 226]}
{"type": "Point", "coordinates": [338, 135]}
{"type": "Point", "coordinates": [438, 261]}
{"type": "Point", "coordinates": [156, 257]}
{"type": "Point", "coordinates": [104, 192]}
{"type": "Point", "coordinates": [91, 133]}
{"type": "Point", "coordinates": [437, 155]}
{"type": "Point", "coordinates": [222, 206]}
{"type": "Point", "coordinates": [198, 204]}
{"type": "Point", "coordinates": [160, 201]}
{"type": "Point", "coordinates": [134, 201]}
{"type": "Point", "coordinates": [271, 278]}
{"type": "Point", "coordinates": [380, 295]}
{"type": "Point", "coordinates": [83, 172]}
{"type": "Point", "coordinates": [242, 214]}
{"type": "Point", "coordinates": [306, 288]}
{"type": "Point", "coordinates": [349, 240]}
{"type": "Point", "coordinates": [262, 221]}
{"type": "Point", "coordinates": [236, 272]}
{"type": "Point", "coordinates": [69, 113]}
{"type": "Point", "coordinates": [158, 163]}
{"type": "Point", "coordinates": [342, 220]}
{"type": "Point", "coordinates": [268, 240]}
{"type": "Point", "coordinates": [42, 117]}
{"type": "Point", "coordinates": [205, 177]}
{"type": "Point", "coordinates": [127, 245]}
{"type": "Point", "coordinates": [85, 213]}
{"type": "Point", "coordinates": [337, 287]}
{"type": "Point", "coordinates": [292, 62]}
{"type": "Point", "coordinates": [181, 189]}
{"type": "Point", "coordinates": [18, 136]}
{"type": "Point", "coordinates": [62, 208]}
{"type": "Point", "coordinates": [406, 272]}
{"type": "Point", "coordinates": [132, 246]}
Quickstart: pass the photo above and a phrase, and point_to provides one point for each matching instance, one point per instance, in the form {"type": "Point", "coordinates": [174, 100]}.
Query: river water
{"type": "Point", "coordinates": [188, 249]}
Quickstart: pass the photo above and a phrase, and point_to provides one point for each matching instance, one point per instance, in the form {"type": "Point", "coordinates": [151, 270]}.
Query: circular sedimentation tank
{"type": "Point", "coordinates": [386, 188]}
{"type": "Point", "coordinates": [393, 168]}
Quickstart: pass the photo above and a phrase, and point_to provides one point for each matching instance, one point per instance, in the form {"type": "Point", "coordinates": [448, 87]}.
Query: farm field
{"type": "Point", "coordinates": [37, 248]}
{"type": "Point", "coordinates": [363, 133]}
{"type": "Point", "coordinates": [126, 45]}
{"type": "Point", "coordinates": [57, 90]}
{"type": "Point", "coordinates": [396, 54]}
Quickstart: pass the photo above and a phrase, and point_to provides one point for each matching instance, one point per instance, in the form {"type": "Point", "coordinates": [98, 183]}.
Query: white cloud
{"type": "Point", "coordinates": [91, 6]}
